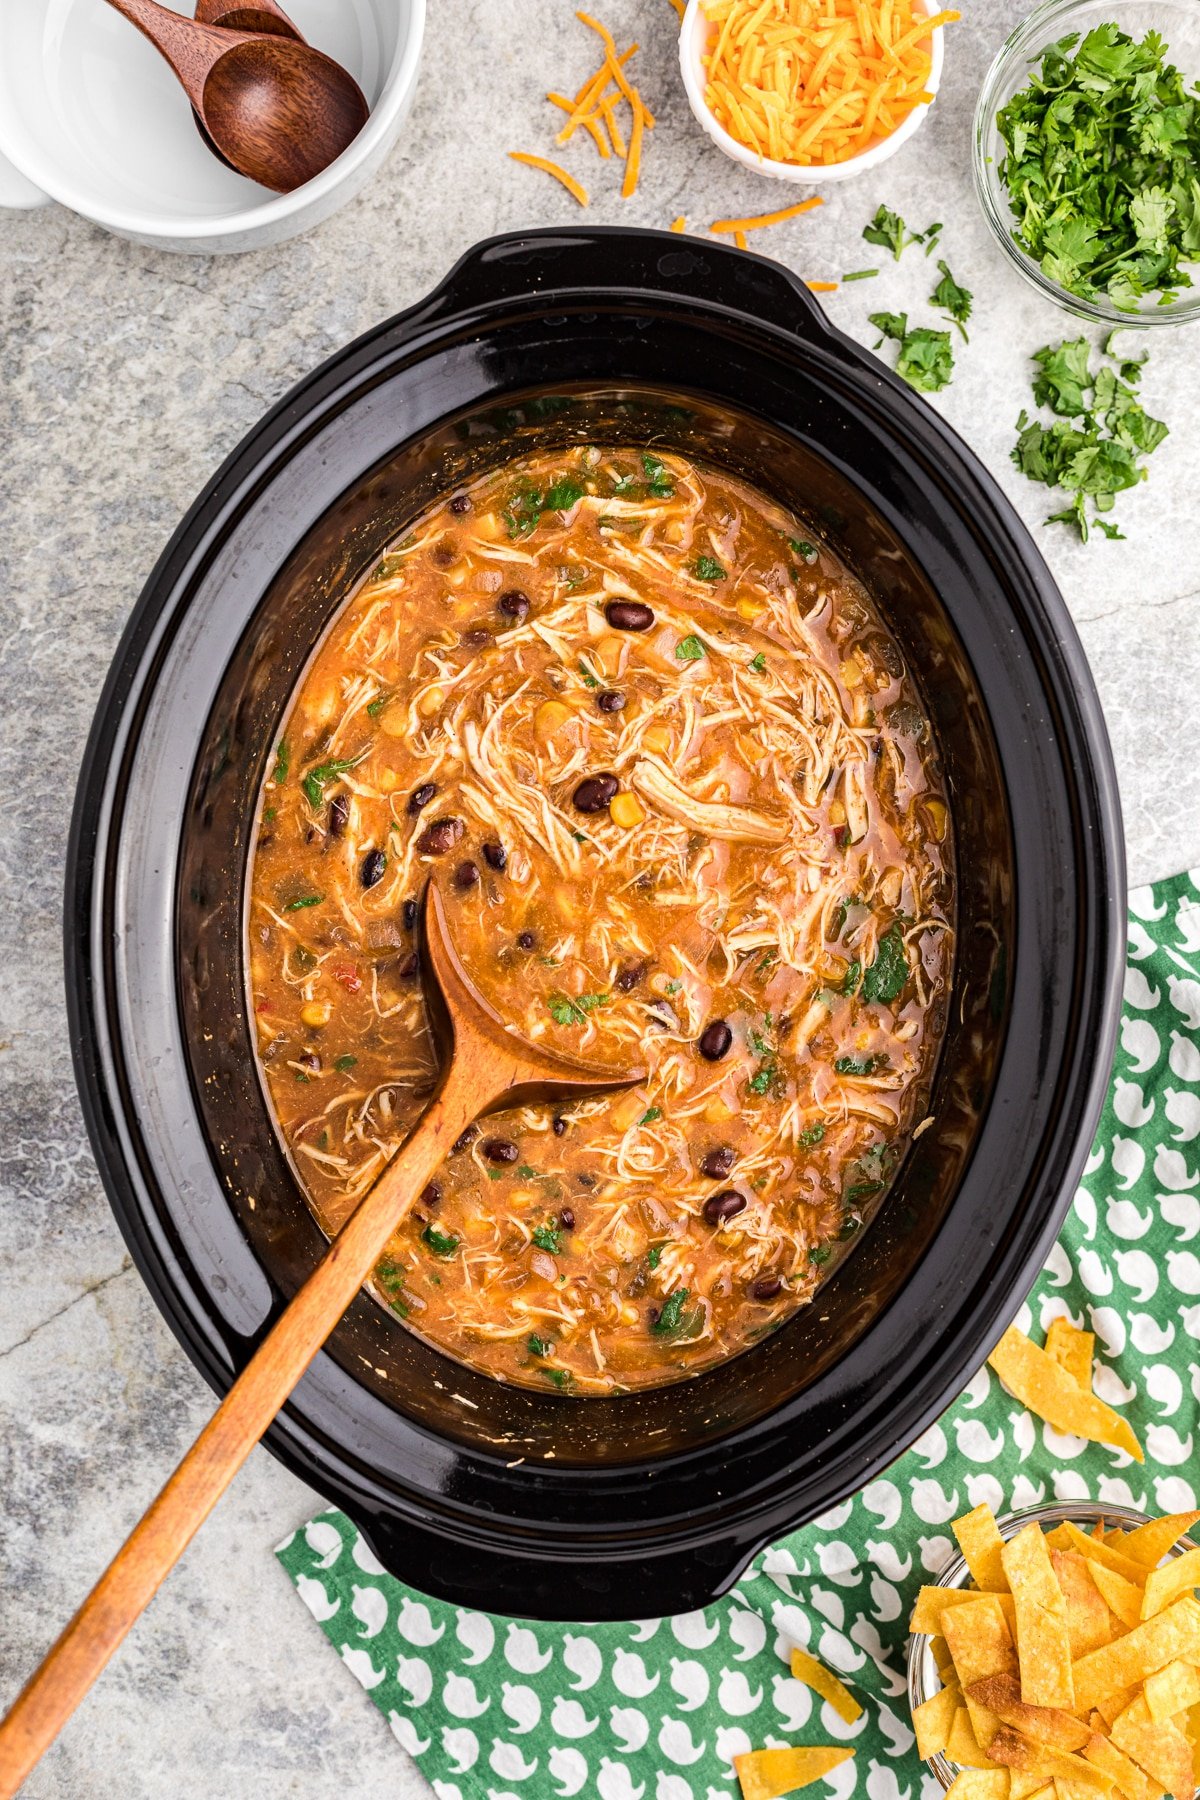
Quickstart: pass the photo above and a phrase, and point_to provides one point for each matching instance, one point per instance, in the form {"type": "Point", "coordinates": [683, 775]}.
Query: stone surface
{"type": "Point", "coordinates": [127, 376]}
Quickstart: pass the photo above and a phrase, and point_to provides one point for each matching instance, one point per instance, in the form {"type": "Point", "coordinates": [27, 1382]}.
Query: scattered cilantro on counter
{"type": "Point", "coordinates": [1103, 167]}
{"type": "Point", "coordinates": [1094, 448]}
{"type": "Point", "coordinates": [955, 300]}
{"type": "Point", "coordinates": [889, 230]}
{"type": "Point", "coordinates": [926, 360]}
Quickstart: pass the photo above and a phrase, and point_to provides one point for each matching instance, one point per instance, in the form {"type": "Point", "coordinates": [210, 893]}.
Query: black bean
{"type": "Point", "coordinates": [410, 967]}
{"type": "Point", "coordinates": [717, 1164]}
{"type": "Point", "coordinates": [476, 637]}
{"type": "Point", "coordinates": [496, 857]}
{"type": "Point", "coordinates": [725, 1205]}
{"type": "Point", "coordinates": [460, 504]}
{"type": "Point", "coordinates": [420, 797]}
{"type": "Point", "coordinates": [310, 1059]}
{"type": "Point", "coordinates": [527, 940]}
{"type": "Point", "coordinates": [339, 812]}
{"type": "Point", "coordinates": [584, 1180]}
{"type": "Point", "coordinates": [610, 700]}
{"type": "Point", "coordinates": [560, 1126]}
{"type": "Point", "coordinates": [373, 865]}
{"type": "Point", "coordinates": [715, 1040]}
{"type": "Point", "coordinates": [566, 1219]}
{"type": "Point", "coordinates": [629, 615]}
{"type": "Point", "coordinates": [443, 556]}
{"type": "Point", "coordinates": [439, 837]}
{"type": "Point", "coordinates": [628, 976]}
{"type": "Point", "coordinates": [766, 1287]}
{"type": "Point", "coordinates": [514, 604]}
{"type": "Point", "coordinates": [431, 1194]}
{"type": "Point", "coordinates": [500, 1150]}
{"type": "Point", "coordinates": [409, 914]}
{"type": "Point", "coordinates": [466, 875]}
{"type": "Point", "coordinates": [594, 793]}
{"type": "Point", "coordinates": [468, 1137]}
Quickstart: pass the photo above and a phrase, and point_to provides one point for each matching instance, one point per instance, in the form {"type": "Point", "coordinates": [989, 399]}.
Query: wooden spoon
{"type": "Point", "coordinates": [485, 1065]}
{"type": "Point", "coordinates": [278, 110]}
{"type": "Point", "coordinates": [265, 16]}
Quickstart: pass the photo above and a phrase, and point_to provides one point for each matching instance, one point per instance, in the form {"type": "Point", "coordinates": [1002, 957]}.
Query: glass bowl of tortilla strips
{"type": "Point", "coordinates": [1058, 1657]}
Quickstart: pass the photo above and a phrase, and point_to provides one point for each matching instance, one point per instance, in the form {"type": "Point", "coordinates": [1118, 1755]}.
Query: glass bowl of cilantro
{"type": "Point", "coordinates": [1087, 156]}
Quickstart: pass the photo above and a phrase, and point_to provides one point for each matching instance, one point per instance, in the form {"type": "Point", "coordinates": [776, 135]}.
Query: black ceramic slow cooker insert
{"type": "Point", "coordinates": [497, 1496]}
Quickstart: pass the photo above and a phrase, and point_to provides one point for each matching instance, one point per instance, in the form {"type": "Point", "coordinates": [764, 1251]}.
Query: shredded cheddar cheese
{"type": "Point", "coordinates": [573, 187]}
{"type": "Point", "coordinates": [814, 82]}
{"type": "Point", "coordinates": [679, 224]}
{"type": "Point", "coordinates": [760, 219]}
{"type": "Point", "coordinates": [821, 287]}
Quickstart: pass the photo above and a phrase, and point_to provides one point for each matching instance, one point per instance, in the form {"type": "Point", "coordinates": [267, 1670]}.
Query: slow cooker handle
{"type": "Point", "coordinates": [548, 269]}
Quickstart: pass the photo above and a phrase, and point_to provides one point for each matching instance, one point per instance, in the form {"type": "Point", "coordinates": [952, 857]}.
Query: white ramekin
{"type": "Point", "coordinates": [91, 116]}
{"type": "Point", "coordinates": [693, 34]}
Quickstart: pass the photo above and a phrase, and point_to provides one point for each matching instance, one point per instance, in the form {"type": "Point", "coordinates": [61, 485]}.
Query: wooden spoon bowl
{"type": "Point", "coordinates": [265, 17]}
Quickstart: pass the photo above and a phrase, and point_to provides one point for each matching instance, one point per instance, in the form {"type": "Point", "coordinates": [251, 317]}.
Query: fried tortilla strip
{"type": "Point", "coordinates": [823, 1681]}
{"type": "Point", "coordinates": [933, 1719]}
{"type": "Point", "coordinates": [1123, 1597]}
{"type": "Point", "coordinates": [979, 1784]}
{"type": "Point", "coordinates": [981, 1644]}
{"type": "Point", "coordinates": [1088, 1619]}
{"type": "Point", "coordinates": [934, 1603]}
{"type": "Point", "coordinates": [1072, 1350]}
{"type": "Point", "coordinates": [1162, 1750]}
{"type": "Point", "coordinates": [1016, 1752]}
{"type": "Point", "coordinates": [962, 1745]}
{"type": "Point", "coordinates": [765, 1774]}
{"type": "Point", "coordinates": [1169, 1636]}
{"type": "Point", "coordinates": [1001, 1694]}
{"type": "Point", "coordinates": [980, 1542]}
{"type": "Point", "coordinates": [1150, 1543]}
{"type": "Point", "coordinates": [1057, 1539]}
{"type": "Point", "coordinates": [1022, 1786]}
{"type": "Point", "coordinates": [1114, 1763]}
{"type": "Point", "coordinates": [1179, 1576]}
{"type": "Point", "coordinates": [1113, 1705]}
{"type": "Point", "coordinates": [1042, 1385]}
{"type": "Point", "coordinates": [1043, 1646]}
{"type": "Point", "coordinates": [1172, 1690]}
{"type": "Point", "coordinates": [1096, 1550]}
{"type": "Point", "coordinates": [942, 1656]}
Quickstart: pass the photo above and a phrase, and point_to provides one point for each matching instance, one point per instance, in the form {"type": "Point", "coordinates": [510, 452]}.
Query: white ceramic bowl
{"type": "Point", "coordinates": [91, 116]}
{"type": "Point", "coordinates": [693, 36]}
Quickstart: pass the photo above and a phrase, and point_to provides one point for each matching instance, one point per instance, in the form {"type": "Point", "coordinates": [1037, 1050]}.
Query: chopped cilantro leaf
{"type": "Point", "coordinates": [689, 649]}
{"type": "Point", "coordinates": [302, 902]}
{"type": "Point", "coordinates": [377, 705]}
{"type": "Point", "coordinates": [670, 1316]}
{"type": "Point", "coordinates": [707, 568]}
{"type": "Point", "coordinates": [562, 1378]}
{"type": "Point", "coordinates": [549, 1238]}
{"type": "Point", "coordinates": [344, 1063]}
{"type": "Point", "coordinates": [886, 976]}
{"type": "Point", "coordinates": [889, 230]}
{"type": "Point", "coordinates": [813, 1135]}
{"type": "Point", "coordinates": [654, 1256]}
{"type": "Point", "coordinates": [673, 987]}
{"type": "Point", "coordinates": [651, 1113]}
{"type": "Point", "coordinates": [318, 778]}
{"type": "Point", "coordinates": [589, 679]}
{"type": "Point", "coordinates": [539, 1346]}
{"type": "Point", "coordinates": [852, 977]}
{"type": "Point", "coordinates": [758, 663]}
{"type": "Point", "coordinates": [803, 549]}
{"type": "Point", "coordinates": [658, 477]}
{"type": "Point", "coordinates": [283, 762]}
{"type": "Point", "coordinates": [820, 1253]}
{"type": "Point", "coordinates": [861, 1190]}
{"type": "Point", "coordinates": [859, 274]}
{"type": "Point", "coordinates": [955, 300]}
{"type": "Point", "coordinates": [527, 1172]}
{"type": "Point", "coordinates": [440, 1242]}
{"type": "Point", "coordinates": [562, 495]}
{"type": "Point", "coordinates": [926, 360]}
{"type": "Point", "coordinates": [567, 1011]}
{"type": "Point", "coordinates": [856, 1065]}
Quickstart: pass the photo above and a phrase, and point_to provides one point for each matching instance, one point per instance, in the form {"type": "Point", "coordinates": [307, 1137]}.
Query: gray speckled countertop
{"type": "Point", "coordinates": [127, 376]}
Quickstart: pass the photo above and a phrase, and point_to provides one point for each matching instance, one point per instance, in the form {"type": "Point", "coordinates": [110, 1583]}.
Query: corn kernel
{"type": "Point", "coordinates": [388, 781]}
{"type": "Point", "coordinates": [550, 717]}
{"type": "Point", "coordinates": [626, 810]}
{"type": "Point", "coordinates": [938, 818]}
{"type": "Point", "coordinates": [394, 722]}
{"type": "Point", "coordinates": [316, 1013]}
{"type": "Point", "coordinates": [430, 702]}
{"type": "Point", "coordinates": [718, 1110]}
{"type": "Point", "coordinates": [487, 525]}
{"type": "Point", "coordinates": [609, 653]}
{"type": "Point", "coordinates": [657, 738]}
{"type": "Point", "coordinates": [751, 609]}
{"type": "Point", "coordinates": [837, 813]}
{"type": "Point", "coordinates": [628, 1109]}
{"type": "Point", "coordinates": [852, 672]}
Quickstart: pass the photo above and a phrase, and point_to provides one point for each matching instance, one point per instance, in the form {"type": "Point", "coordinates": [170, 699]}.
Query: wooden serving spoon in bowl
{"type": "Point", "coordinates": [485, 1065]}
{"type": "Point", "coordinates": [266, 16]}
{"type": "Point", "coordinates": [277, 110]}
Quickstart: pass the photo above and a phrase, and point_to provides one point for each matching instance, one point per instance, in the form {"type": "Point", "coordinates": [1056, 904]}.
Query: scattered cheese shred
{"type": "Point", "coordinates": [679, 224]}
{"type": "Point", "coordinates": [760, 219]}
{"type": "Point", "coordinates": [679, 8]}
{"type": "Point", "coordinates": [821, 287]}
{"type": "Point", "coordinates": [817, 81]}
{"type": "Point", "coordinates": [573, 187]}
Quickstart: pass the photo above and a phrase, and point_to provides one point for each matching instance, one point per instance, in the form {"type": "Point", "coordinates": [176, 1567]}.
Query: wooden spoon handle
{"type": "Point", "coordinates": [248, 15]}
{"type": "Point", "coordinates": [191, 49]}
{"type": "Point", "coordinates": [157, 1542]}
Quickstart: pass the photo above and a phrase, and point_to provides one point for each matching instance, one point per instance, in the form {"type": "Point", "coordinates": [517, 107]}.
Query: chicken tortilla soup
{"type": "Point", "coordinates": [686, 809]}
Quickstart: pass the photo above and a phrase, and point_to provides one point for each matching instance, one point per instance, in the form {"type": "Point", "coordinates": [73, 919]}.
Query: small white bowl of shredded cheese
{"type": "Point", "coordinates": [696, 38]}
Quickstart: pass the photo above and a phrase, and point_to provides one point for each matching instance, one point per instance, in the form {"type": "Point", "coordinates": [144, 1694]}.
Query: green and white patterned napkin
{"type": "Point", "coordinates": [501, 1709]}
